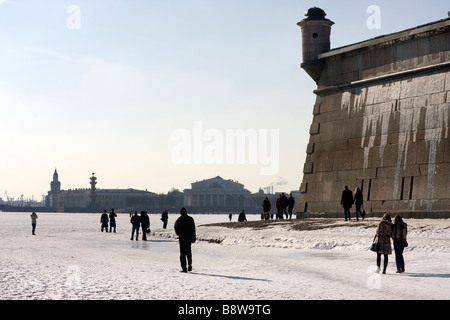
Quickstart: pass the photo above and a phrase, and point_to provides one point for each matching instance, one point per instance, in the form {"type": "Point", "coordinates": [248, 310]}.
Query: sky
{"type": "Point", "coordinates": [158, 94]}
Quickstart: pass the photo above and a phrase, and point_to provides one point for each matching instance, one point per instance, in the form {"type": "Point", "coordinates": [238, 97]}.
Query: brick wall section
{"type": "Point", "coordinates": [381, 123]}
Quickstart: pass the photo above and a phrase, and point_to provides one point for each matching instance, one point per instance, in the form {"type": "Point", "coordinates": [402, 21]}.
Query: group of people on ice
{"type": "Point", "coordinates": [281, 205]}
{"type": "Point", "coordinates": [184, 228]}
{"type": "Point", "coordinates": [348, 200]}
{"type": "Point", "coordinates": [386, 230]}
{"type": "Point", "coordinates": [137, 222]}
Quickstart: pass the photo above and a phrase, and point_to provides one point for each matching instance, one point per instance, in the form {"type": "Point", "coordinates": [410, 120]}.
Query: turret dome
{"type": "Point", "coordinates": [315, 14]}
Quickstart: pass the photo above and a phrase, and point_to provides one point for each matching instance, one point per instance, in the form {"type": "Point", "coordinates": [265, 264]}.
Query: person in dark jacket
{"type": "Point", "coordinates": [112, 221]}
{"type": "Point", "coordinates": [347, 201]}
{"type": "Point", "coordinates": [165, 218]}
{"type": "Point", "coordinates": [104, 221]}
{"type": "Point", "coordinates": [145, 224]}
{"type": "Point", "coordinates": [242, 217]}
{"type": "Point", "coordinates": [284, 202]}
{"type": "Point", "coordinates": [266, 209]}
{"type": "Point", "coordinates": [399, 236]}
{"type": "Point", "coordinates": [185, 229]}
{"type": "Point", "coordinates": [136, 223]}
{"type": "Point", "coordinates": [358, 201]}
{"type": "Point", "coordinates": [278, 206]}
{"type": "Point", "coordinates": [291, 205]}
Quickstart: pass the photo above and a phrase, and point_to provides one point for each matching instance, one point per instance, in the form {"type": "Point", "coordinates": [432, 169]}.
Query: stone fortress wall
{"type": "Point", "coordinates": [381, 121]}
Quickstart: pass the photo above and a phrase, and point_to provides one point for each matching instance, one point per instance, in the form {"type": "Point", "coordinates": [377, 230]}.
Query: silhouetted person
{"type": "Point", "coordinates": [266, 209]}
{"type": "Point", "coordinates": [358, 201]}
{"type": "Point", "coordinates": [291, 202]}
{"type": "Point", "coordinates": [145, 223]}
{"type": "Point", "coordinates": [284, 202]}
{"type": "Point", "coordinates": [347, 202]}
{"type": "Point", "coordinates": [278, 206]}
{"type": "Point", "coordinates": [136, 223]}
{"type": "Point", "coordinates": [165, 218]}
{"type": "Point", "coordinates": [185, 229]}
{"type": "Point", "coordinates": [104, 221]}
{"type": "Point", "coordinates": [242, 216]}
{"type": "Point", "coordinates": [112, 221]}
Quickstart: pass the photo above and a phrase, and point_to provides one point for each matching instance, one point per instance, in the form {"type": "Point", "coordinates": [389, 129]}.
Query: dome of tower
{"type": "Point", "coordinates": [315, 14]}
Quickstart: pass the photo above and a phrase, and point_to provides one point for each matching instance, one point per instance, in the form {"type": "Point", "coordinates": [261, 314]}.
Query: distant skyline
{"type": "Point", "coordinates": [147, 93]}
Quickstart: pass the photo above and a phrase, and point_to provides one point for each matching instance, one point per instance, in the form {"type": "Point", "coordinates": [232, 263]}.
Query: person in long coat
{"type": "Point", "coordinates": [112, 221]}
{"type": "Point", "coordinates": [384, 234]}
{"type": "Point", "coordinates": [145, 224]}
{"type": "Point", "coordinates": [104, 221]}
{"type": "Point", "coordinates": [266, 209]}
{"type": "Point", "coordinates": [347, 202]}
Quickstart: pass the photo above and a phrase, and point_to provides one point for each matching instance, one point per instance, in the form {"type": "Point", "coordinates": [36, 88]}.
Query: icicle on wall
{"type": "Point", "coordinates": [412, 105]}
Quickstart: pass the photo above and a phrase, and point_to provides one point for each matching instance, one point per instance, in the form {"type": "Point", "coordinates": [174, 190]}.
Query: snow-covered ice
{"type": "Point", "coordinates": [69, 258]}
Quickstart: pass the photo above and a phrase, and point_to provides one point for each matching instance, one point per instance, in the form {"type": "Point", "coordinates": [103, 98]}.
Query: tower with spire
{"type": "Point", "coordinates": [51, 200]}
{"type": "Point", "coordinates": [93, 189]}
{"type": "Point", "coordinates": [55, 185]}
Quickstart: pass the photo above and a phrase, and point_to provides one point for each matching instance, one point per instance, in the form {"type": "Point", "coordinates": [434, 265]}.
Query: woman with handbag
{"type": "Point", "coordinates": [384, 235]}
{"type": "Point", "coordinates": [400, 243]}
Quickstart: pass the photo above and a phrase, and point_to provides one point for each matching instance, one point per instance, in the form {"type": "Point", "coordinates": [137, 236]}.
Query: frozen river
{"type": "Point", "coordinates": [70, 258]}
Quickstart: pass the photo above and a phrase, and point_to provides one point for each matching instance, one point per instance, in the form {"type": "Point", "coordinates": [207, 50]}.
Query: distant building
{"type": "Point", "coordinates": [206, 196]}
{"type": "Point", "coordinates": [51, 201]}
{"type": "Point", "coordinates": [216, 194]}
{"type": "Point", "coordinates": [93, 199]}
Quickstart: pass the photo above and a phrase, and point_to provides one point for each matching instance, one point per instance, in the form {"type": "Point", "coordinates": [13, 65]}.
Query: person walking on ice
{"type": "Point", "coordinates": [185, 230]}
{"type": "Point", "coordinates": [399, 236]}
{"type": "Point", "coordinates": [104, 221]}
{"type": "Point", "coordinates": [384, 234]}
{"type": "Point", "coordinates": [33, 223]}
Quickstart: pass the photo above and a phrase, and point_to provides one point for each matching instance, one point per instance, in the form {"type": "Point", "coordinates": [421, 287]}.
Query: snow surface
{"type": "Point", "coordinates": [69, 258]}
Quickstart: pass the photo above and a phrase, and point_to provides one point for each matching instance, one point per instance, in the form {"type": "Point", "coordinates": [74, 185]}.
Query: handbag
{"type": "Point", "coordinates": [375, 245]}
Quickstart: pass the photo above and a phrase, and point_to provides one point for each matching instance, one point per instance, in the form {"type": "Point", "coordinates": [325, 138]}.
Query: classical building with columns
{"type": "Point", "coordinates": [216, 193]}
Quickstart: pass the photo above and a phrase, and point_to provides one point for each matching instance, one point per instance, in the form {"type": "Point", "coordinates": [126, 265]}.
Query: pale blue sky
{"type": "Point", "coordinates": [107, 97]}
